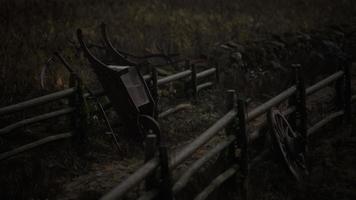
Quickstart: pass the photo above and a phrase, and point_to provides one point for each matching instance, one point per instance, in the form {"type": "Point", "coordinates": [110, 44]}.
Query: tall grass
{"type": "Point", "coordinates": [32, 29]}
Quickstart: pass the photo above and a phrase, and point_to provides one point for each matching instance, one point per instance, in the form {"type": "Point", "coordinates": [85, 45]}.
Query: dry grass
{"type": "Point", "coordinates": [33, 29]}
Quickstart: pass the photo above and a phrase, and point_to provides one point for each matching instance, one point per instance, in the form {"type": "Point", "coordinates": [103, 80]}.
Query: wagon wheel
{"type": "Point", "coordinates": [289, 144]}
{"type": "Point", "coordinates": [148, 125]}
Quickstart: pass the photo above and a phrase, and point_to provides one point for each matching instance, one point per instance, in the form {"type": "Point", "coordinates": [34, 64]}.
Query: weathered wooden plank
{"type": "Point", "coordinates": [216, 183]}
{"type": "Point", "coordinates": [37, 101]}
{"type": "Point", "coordinates": [206, 73]}
{"type": "Point", "coordinates": [174, 109]}
{"type": "Point", "coordinates": [325, 82]}
{"type": "Point", "coordinates": [324, 121]}
{"type": "Point", "coordinates": [204, 85]}
{"type": "Point", "coordinates": [34, 144]}
{"type": "Point", "coordinates": [36, 119]}
{"type": "Point", "coordinates": [174, 77]}
{"type": "Point", "coordinates": [185, 177]}
{"type": "Point", "coordinates": [147, 77]}
{"type": "Point", "coordinates": [202, 139]}
{"type": "Point", "coordinates": [133, 180]}
{"type": "Point", "coordinates": [270, 103]}
{"type": "Point", "coordinates": [257, 133]}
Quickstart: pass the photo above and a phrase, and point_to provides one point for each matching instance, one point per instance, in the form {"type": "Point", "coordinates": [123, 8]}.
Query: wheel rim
{"type": "Point", "coordinates": [286, 142]}
{"type": "Point", "coordinates": [149, 125]}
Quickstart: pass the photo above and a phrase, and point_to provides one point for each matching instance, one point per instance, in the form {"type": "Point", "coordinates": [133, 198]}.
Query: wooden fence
{"type": "Point", "coordinates": [157, 170]}
{"type": "Point", "coordinates": [76, 109]}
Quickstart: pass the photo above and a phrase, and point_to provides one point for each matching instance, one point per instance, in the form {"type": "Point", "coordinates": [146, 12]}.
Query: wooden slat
{"type": "Point", "coordinates": [35, 144]}
{"type": "Point", "coordinates": [324, 121]}
{"type": "Point", "coordinates": [36, 119]}
{"type": "Point", "coordinates": [205, 73]}
{"type": "Point", "coordinates": [202, 139]}
{"type": "Point", "coordinates": [257, 133]}
{"type": "Point", "coordinates": [133, 180]}
{"type": "Point", "coordinates": [37, 101]}
{"type": "Point", "coordinates": [188, 173]}
{"type": "Point", "coordinates": [147, 77]}
{"type": "Point", "coordinates": [270, 103]}
{"type": "Point", "coordinates": [321, 84]}
{"type": "Point", "coordinates": [174, 77]}
{"type": "Point", "coordinates": [174, 109]}
{"type": "Point", "coordinates": [164, 80]}
{"type": "Point", "coordinates": [204, 85]}
{"type": "Point", "coordinates": [216, 183]}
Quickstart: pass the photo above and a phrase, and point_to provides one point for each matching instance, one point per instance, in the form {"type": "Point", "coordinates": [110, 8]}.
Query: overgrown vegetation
{"type": "Point", "coordinates": [33, 29]}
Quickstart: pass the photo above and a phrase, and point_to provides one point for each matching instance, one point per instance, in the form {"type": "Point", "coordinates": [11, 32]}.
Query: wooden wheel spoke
{"type": "Point", "coordinates": [285, 138]}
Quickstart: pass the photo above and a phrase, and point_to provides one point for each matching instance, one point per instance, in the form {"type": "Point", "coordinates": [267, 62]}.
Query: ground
{"type": "Point", "coordinates": [331, 166]}
{"type": "Point", "coordinates": [257, 70]}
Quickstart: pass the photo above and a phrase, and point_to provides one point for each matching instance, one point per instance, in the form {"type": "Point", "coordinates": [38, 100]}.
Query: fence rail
{"type": "Point", "coordinates": [185, 177]}
{"type": "Point", "coordinates": [76, 105]}
{"type": "Point", "coordinates": [194, 77]}
{"type": "Point", "coordinates": [76, 98]}
{"type": "Point", "coordinates": [37, 101]}
{"type": "Point", "coordinates": [216, 183]}
{"type": "Point", "coordinates": [36, 119]}
{"type": "Point", "coordinates": [321, 84]}
{"type": "Point", "coordinates": [37, 143]}
{"type": "Point", "coordinates": [324, 121]}
{"type": "Point", "coordinates": [262, 109]}
{"type": "Point", "coordinates": [234, 122]}
{"type": "Point", "coordinates": [174, 77]}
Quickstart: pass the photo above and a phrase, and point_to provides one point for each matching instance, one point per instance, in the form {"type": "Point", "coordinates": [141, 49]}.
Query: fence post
{"type": "Point", "coordinates": [292, 101]}
{"type": "Point", "coordinates": [243, 141]}
{"type": "Point", "coordinates": [347, 96]}
{"type": "Point", "coordinates": [154, 90]}
{"type": "Point", "coordinates": [217, 72]}
{"type": "Point", "coordinates": [194, 80]}
{"type": "Point", "coordinates": [301, 109]}
{"type": "Point", "coordinates": [347, 92]}
{"type": "Point", "coordinates": [186, 83]}
{"type": "Point", "coordinates": [231, 128]}
{"type": "Point", "coordinates": [150, 151]}
{"type": "Point", "coordinates": [339, 92]}
{"type": "Point", "coordinates": [79, 119]}
{"type": "Point", "coordinates": [166, 180]}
